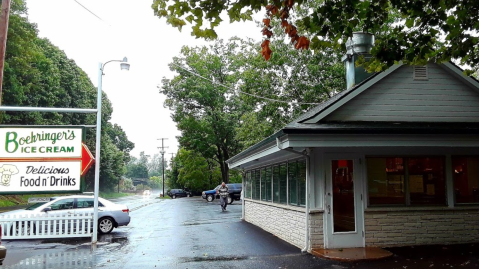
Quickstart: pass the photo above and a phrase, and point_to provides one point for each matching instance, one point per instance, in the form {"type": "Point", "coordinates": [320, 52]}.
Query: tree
{"type": "Point", "coordinates": [120, 139]}
{"type": "Point", "coordinates": [295, 80]}
{"type": "Point", "coordinates": [195, 173]}
{"type": "Point", "coordinates": [410, 31]}
{"type": "Point", "coordinates": [205, 113]}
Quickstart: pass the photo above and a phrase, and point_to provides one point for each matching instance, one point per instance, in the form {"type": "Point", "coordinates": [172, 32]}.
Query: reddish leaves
{"type": "Point", "coordinates": [266, 22]}
{"type": "Point", "coordinates": [273, 10]}
{"type": "Point", "coordinates": [267, 32]}
{"type": "Point", "coordinates": [302, 43]}
{"type": "Point", "coordinates": [266, 51]}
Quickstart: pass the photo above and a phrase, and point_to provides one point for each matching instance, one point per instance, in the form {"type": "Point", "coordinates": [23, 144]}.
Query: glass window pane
{"type": "Point", "coordinates": [84, 202]}
{"type": "Point", "coordinates": [343, 196]}
{"type": "Point", "coordinates": [276, 184]}
{"type": "Point", "coordinates": [257, 185]}
{"type": "Point", "coordinates": [253, 184]}
{"type": "Point", "coordinates": [385, 181]}
{"type": "Point", "coordinates": [62, 204]}
{"type": "Point", "coordinates": [283, 170]}
{"type": "Point", "coordinates": [292, 181]}
{"type": "Point", "coordinates": [466, 179]}
{"type": "Point", "coordinates": [302, 182]}
{"type": "Point", "coordinates": [268, 184]}
{"type": "Point", "coordinates": [248, 187]}
{"type": "Point", "coordinates": [427, 183]}
{"type": "Point", "coordinates": [263, 184]}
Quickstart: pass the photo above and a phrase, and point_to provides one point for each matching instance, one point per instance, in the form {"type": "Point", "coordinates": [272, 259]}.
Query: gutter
{"type": "Point", "coordinates": [305, 154]}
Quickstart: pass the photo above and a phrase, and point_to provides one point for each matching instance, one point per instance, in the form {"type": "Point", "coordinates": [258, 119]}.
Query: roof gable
{"type": "Point", "coordinates": [395, 95]}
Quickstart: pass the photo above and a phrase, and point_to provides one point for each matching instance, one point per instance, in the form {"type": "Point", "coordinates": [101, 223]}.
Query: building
{"type": "Point", "coordinates": [391, 161]}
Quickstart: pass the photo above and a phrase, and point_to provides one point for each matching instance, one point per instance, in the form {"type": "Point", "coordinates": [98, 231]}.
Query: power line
{"type": "Point", "coordinates": [250, 94]}
{"type": "Point", "coordinates": [91, 12]}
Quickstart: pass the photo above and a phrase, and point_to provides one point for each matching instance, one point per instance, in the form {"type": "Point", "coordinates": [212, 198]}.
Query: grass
{"type": "Point", "coordinates": [113, 195]}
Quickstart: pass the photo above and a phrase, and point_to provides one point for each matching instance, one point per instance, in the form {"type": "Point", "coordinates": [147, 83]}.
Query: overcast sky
{"type": "Point", "coordinates": [125, 28]}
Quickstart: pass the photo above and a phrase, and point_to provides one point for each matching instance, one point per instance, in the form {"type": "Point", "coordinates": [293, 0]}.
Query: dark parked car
{"type": "Point", "coordinates": [234, 190]}
{"type": "Point", "coordinates": [175, 193]}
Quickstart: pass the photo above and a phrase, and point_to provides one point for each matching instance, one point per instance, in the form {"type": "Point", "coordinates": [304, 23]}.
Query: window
{"type": "Point", "coordinates": [283, 183]}
{"type": "Point", "coordinates": [247, 185]}
{"type": "Point", "coordinates": [84, 202]}
{"type": "Point", "coordinates": [276, 184]}
{"type": "Point", "coordinates": [263, 184]}
{"type": "Point", "coordinates": [466, 179]}
{"type": "Point", "coordinates": [427, 183]}
{"type": "Point", "coordinates": [292, 182]}
{"type": "Point", "coordinates": [302, 182]}
{"type": "Point", "coordinates": [268, 182]}
{"type": "Point", "coordinates": [406, 181]}
{"type": "Point", "coordinates": [386, 181]}
{"type": "Point", "coordinates": [257, 185]}
{"type": "Point", "coordinates": [62, 204]}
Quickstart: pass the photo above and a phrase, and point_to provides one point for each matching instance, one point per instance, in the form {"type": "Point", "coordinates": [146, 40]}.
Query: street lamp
{"type": "Point", "coordinates": [124, 66]}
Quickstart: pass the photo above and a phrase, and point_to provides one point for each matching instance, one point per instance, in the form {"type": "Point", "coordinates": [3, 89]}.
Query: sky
{"type": "Point", "coordinates": [126, 28]}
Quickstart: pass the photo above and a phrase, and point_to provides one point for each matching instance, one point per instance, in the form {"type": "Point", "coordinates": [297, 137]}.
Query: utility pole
{"type": "Point", "coordinates": [172, 155]}
{"type": "Point", "coordinates": [162, 151]}
{"type": "Point", "coordinates": [3, 39]}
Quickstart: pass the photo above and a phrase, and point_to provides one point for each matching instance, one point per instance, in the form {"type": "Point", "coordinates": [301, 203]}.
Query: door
{"type": "Point", "coordinates": [344, 215]}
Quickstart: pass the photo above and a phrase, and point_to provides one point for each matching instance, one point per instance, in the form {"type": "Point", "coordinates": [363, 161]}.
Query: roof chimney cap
{"type": "Point", "coordinates": [360, 43]}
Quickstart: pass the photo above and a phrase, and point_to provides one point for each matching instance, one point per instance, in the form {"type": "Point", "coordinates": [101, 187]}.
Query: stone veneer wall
{"type": "Point", "coordinates": [285, 222]}
{"type": "Point", "coordinates": [421, 227]}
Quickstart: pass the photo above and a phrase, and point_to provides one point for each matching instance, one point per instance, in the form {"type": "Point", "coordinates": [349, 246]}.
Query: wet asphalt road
{"type": "Point", "coordinates": [191, 233]}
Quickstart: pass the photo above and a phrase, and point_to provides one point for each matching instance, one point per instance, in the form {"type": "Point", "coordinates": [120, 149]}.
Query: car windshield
{"type": "Point", "coordinates": [34, 206]}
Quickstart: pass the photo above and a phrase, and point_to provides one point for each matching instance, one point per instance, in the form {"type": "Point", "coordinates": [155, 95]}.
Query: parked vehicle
{"type": "Point", "coordinates": [234, 190]}
{"type": "Point", "coordinates": [110, 215]}
{"type": "Point", "coordinates": [176, 193]}
{"type": "Point", "coordinates": [3, 249]}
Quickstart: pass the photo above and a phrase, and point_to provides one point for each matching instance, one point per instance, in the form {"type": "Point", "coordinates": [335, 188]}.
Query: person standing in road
{"type": "Point", "coordinates": [223, 193]}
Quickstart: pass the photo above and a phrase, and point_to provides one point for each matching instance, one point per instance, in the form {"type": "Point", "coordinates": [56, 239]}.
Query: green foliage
{"type": "Point", "coordinates": [127, 184]}
{"type": "Point", "coordinates": [136, 170]}
{"type": "Point", "coordinates": [120, 139]}
{"type": "Point", "coordinates": [207, 114]}
{"type": "Point", "coordinates": [195, 172]}
{"type": "Point", "coordinates": [413, 32]}
{"type": "Point", "coordinates": [293, 77]}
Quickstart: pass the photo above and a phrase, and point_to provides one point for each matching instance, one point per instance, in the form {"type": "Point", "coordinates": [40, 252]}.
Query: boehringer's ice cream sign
{"type": "Point", "coordinates": [42, 159]}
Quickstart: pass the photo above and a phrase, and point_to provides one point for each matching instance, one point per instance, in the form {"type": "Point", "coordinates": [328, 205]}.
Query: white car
{"type": "Point", "coordinates": [146, 192]}
{"type": "Point", "coordinates": [110, 215]}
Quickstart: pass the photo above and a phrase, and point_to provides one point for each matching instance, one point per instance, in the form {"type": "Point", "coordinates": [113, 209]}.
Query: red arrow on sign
{"type": "Point", "coordinates": [86, 159]}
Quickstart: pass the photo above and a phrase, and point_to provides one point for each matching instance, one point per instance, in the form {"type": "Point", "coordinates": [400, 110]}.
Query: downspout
{"type": "Point", "coordinates": [305, 154]}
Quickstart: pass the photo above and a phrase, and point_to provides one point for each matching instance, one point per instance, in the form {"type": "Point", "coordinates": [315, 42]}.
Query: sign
{"type": "Point", "coordinates": [42, 160]}
{"type": "Point", "coordinates": [33, 200]}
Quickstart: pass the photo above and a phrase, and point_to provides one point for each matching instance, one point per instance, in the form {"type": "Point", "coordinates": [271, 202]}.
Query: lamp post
{"type": "Point", "coordinates": [124, 66]}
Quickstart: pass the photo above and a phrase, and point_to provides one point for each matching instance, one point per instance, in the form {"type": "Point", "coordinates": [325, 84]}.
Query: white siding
{"type": "Point", "coordinates": [398, 97]}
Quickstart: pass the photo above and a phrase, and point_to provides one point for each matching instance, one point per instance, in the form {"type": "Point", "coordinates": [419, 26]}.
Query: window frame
{"type": "Point", "coordinates": [406, 186]}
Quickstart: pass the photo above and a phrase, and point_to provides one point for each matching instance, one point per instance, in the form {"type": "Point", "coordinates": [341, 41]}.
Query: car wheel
{"type": "Point", "coordinates": [210, 198]}
{"type": "Point", "coordinates": [105, 225]}
{"type": "Point", "coordinates": [173, 196]}
{"type": "Point", "coordinates": [230, 200]}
